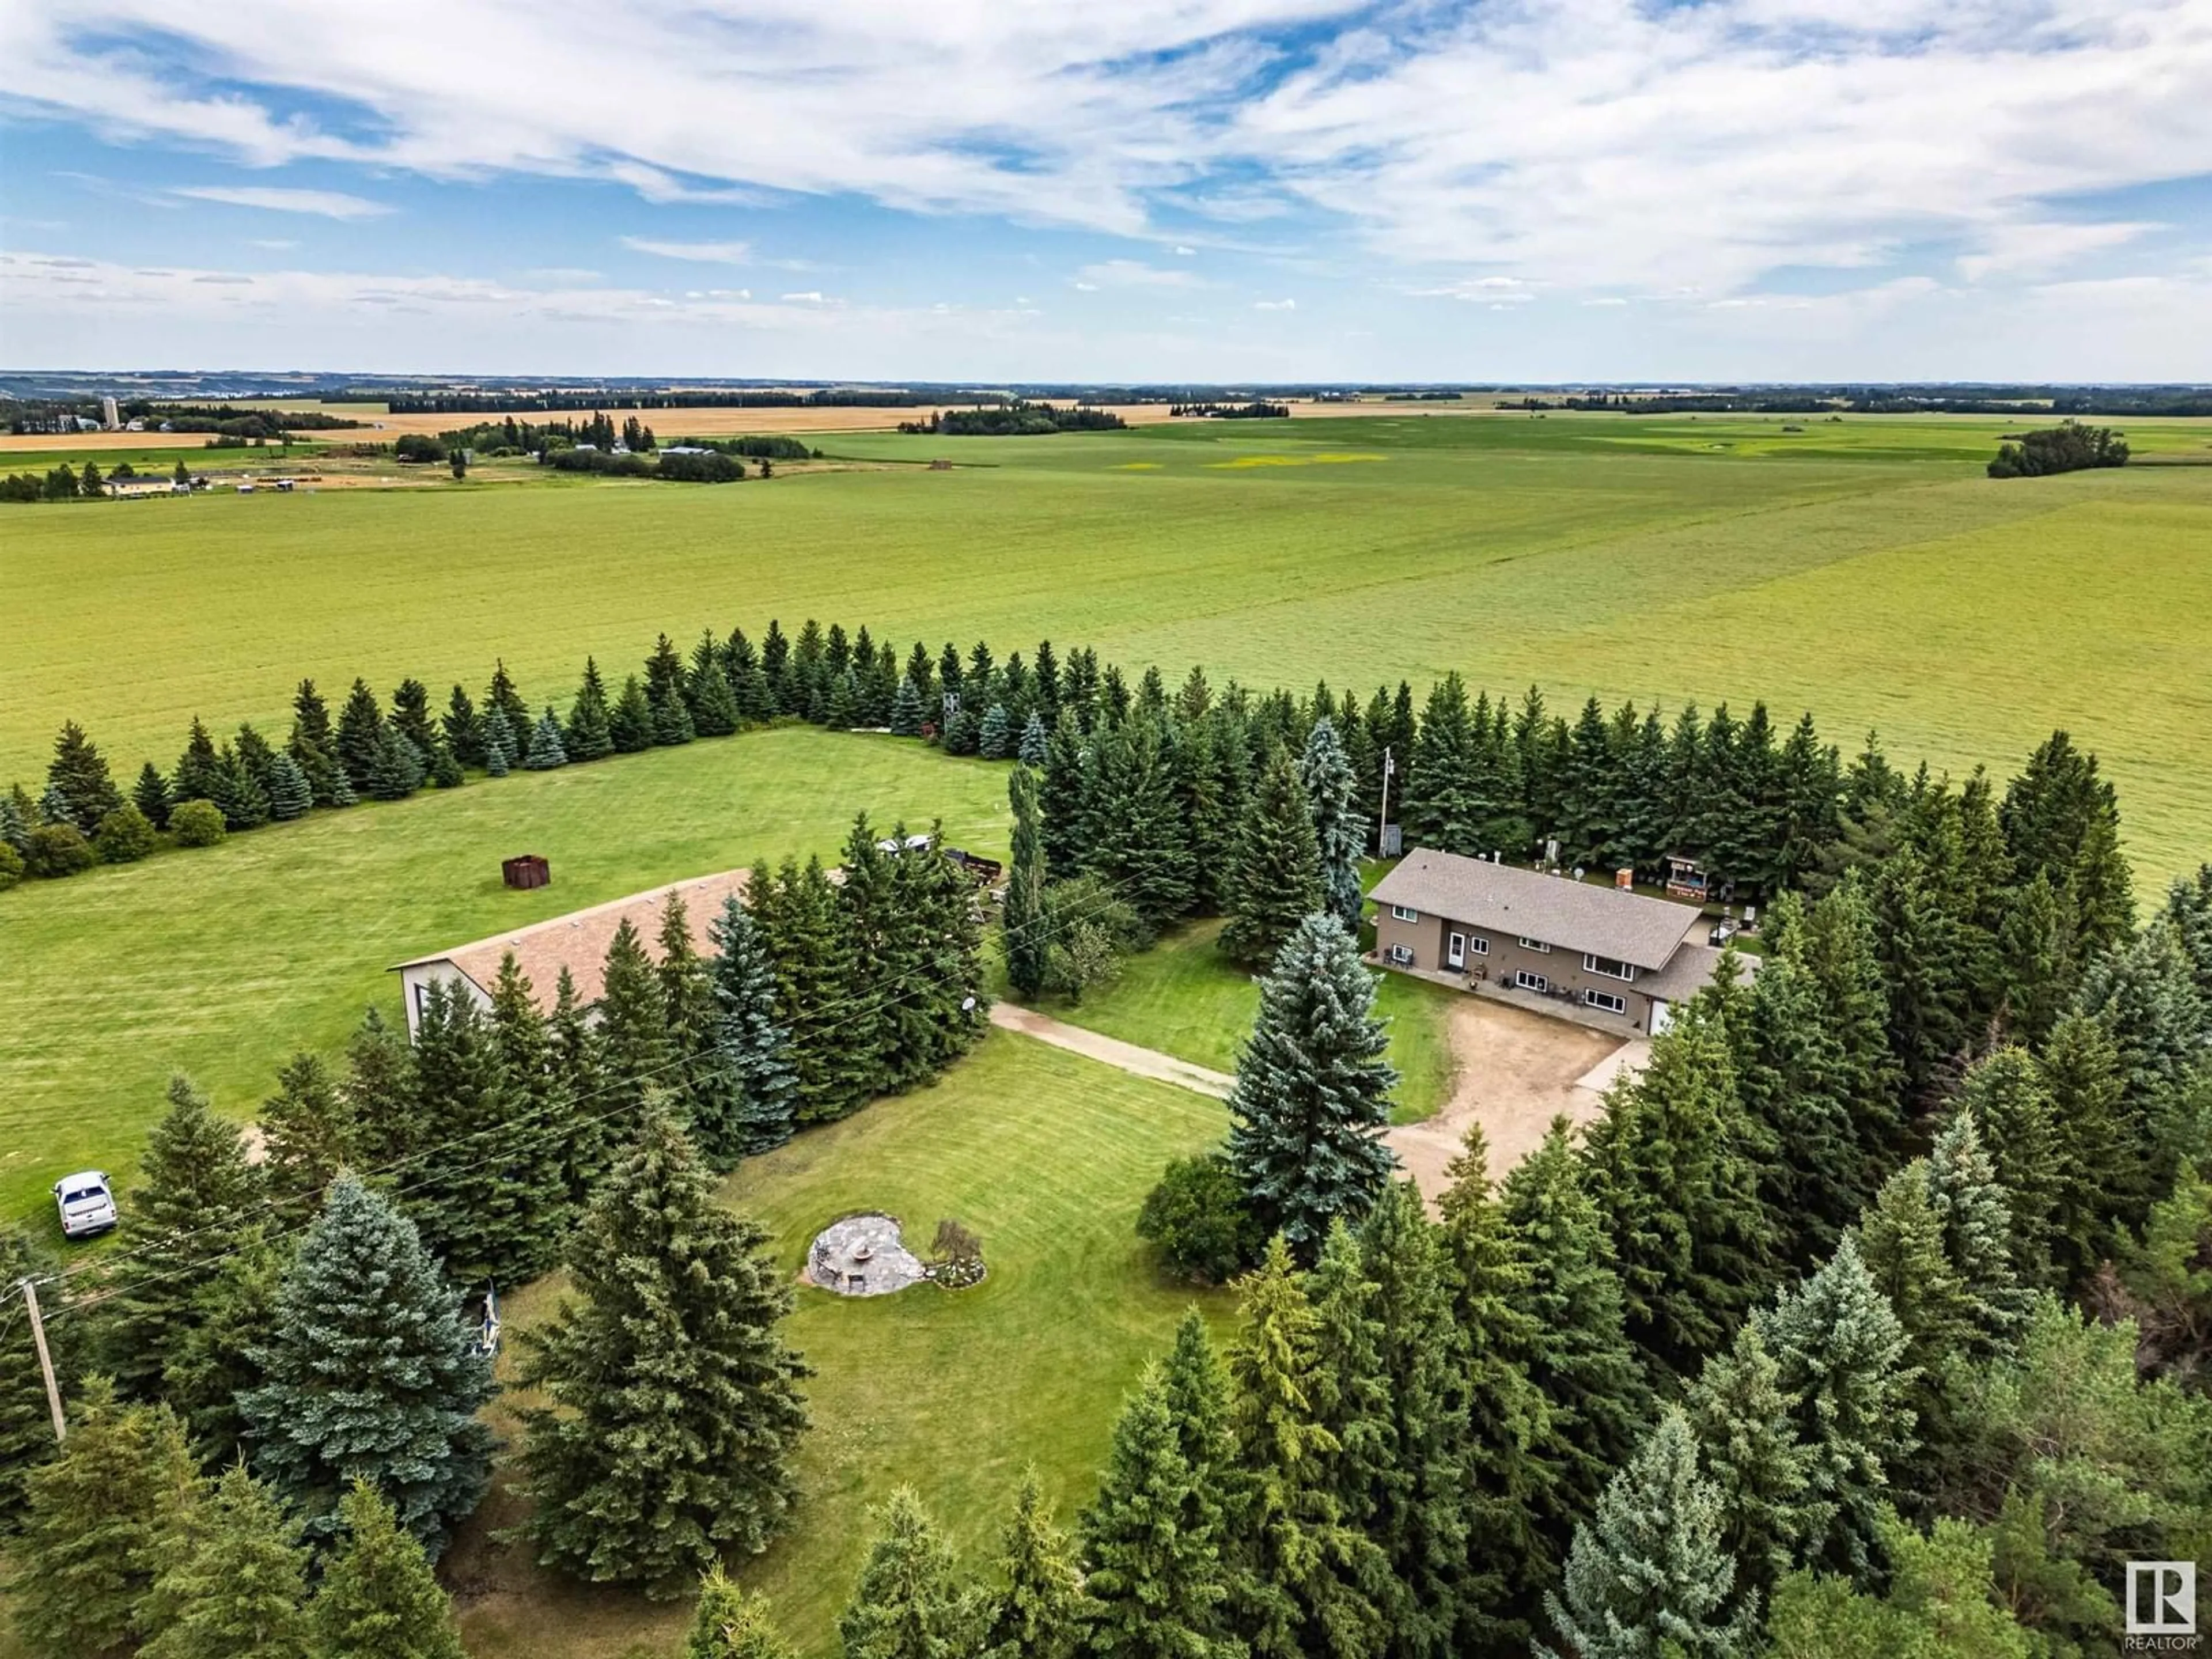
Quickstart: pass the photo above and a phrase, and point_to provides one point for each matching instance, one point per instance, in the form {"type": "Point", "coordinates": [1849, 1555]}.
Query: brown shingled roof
{"type": "Point", "coordinates": [1524, 903]}
{"type": "Point", "coordinates": [579, 941]}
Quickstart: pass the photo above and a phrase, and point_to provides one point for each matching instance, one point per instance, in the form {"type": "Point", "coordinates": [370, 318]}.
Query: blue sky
{"type": "Point", "coordinates": [1154, 189]}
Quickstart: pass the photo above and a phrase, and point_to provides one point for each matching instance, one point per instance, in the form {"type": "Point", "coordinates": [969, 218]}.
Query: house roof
{"type": "Point", "coordinates": [1689, 971]}
{"type": "Point", "coordinates": [1572, 915]}
{"type": "Point", "coordinates": [579, 941]}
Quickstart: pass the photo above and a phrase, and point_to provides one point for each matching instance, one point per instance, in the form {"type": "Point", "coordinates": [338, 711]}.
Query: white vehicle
{"type": "Point", "coordinates": [87, 1204]}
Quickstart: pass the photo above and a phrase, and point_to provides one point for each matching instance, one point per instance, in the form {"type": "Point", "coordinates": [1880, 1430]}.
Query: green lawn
{"type": "Point", "coordinates": [1864, 569]}
{"type": "Point", "coordinates": [1046, 1157]}
{"type": "Point", "coordinates": [224, 961]}
{"type": "Point", "coordinates": [1184, 998]}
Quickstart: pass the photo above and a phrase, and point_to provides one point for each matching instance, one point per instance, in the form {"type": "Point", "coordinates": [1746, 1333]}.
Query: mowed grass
{"type": "Point", "coordinates": [1047, 1156]}
{"type": "Point", "coordinates": [223, 961]}
{"type": "Point", "coordinates": [1185, 998]}
{"type": "Point", "coordinates": [1864, 569]}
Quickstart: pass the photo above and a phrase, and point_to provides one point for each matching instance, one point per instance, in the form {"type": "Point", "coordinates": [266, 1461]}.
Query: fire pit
{"type": "Point", "coordinates": [863, 1255]}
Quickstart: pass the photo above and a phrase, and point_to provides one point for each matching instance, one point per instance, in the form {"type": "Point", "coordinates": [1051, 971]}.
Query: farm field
{"type": "Point", "coordinates": [1679, 559]}
{"type": "Point", "coordinates": [223, 962]}
{"type": "Point", "coordinates": [1046, 1157]}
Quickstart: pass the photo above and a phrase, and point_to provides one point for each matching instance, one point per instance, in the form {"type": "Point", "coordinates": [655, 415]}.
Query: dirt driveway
{"type": "Point", "coordinates": [1516, 1071]}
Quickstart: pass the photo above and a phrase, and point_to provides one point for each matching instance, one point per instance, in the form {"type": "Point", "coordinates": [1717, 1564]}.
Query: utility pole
{"type": "Point", "coordinates": [1382, 821]}
{"type": "Point", "coordinates": [45, 1361]}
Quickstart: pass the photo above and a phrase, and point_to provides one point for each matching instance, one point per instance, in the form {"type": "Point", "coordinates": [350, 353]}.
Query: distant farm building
{"type": "Point", "coordinates": [577, 942]}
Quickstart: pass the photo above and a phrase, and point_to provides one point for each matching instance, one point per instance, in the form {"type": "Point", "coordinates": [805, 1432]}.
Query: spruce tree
{"type": "Point", "coordinates": [197, 1200]}
{"type": "Point", "coordinates": [730, 1624]}
{"type": "Point", "coordinates": [199, 775]}
{"type": "Point", "coordinates": [1339, 828]}
{"type": "Point", "coordinates": [994, 736]}
{"type": "Point", "coordinates": [1159, 1590]}
{"type": "Point", "coordinates": [233, 1580]}
{"type": "Point", "coordinates": [1837, 947]}
{"type": "Point", "coordinates": [290, 794]}
{"type": "Point", "coordinates": [525, 1156]}
{"type": "Point", "coordinates": [1138, 838]}
{"type": "Point", "coordinates": [411, 715]}
{"type": "Point", "coordinates": [214, 1362]}
{"type": "Point", "coordinates": [1901, 1240]}
{"type": "Point", "coordinates": [755, 1093]}
{"type": "Point", "coordinates": [150, 795]}
{"type": "Point", "coordinates": [1749, 1448]}
{"type": "Point", "coordinates": [361, 736]}
{"type": "Point", "coordinates": [371, 1374]}
{"type": "Point", "coordinates": [1673, 1172]}
{"type": "Point", "coordinates": [687, 998]}
{"type": "Point", "coordinates": [1649, 1574]}
{"type": "Point", "coordinates": [1062, 799]}
{"type": "Point", "coordinates": [674, 1401]}
{"type": "Point", "coordinates": [501, 695]}
{"type": "Point", "coordinates": [635, 1055]}
{"type": "Point", "coordinates": [867, 914]}
{"type": "Point", "coordinates": [2004, 1093]}
{"type": "Point", "coordinates": [2103, 1159]}
{"type": "Point", "coordinates": [1276, 878]}
{"type": "Point", "coordinates": [1309, 1586]}
{"type": "Point", "coordinates": [708, 695]}
{"type": "Point", "coordinates": [397, 768]}
{"type": "Point", "coordinates": [585, 1146]}
{"type": "Point", "coordinates": [378, 1091]}
{"type": "Point", "coordinates": [500, 739]}
{"type": "Point", "coordinates": [1022, 918]}
{"type": "Point", "coordinates": [378, 1599]}
{"type": "Point", "coordinates": [909, 1602]}
{"type": "Point", "coordinates": [78, 773]}
{"type": "Point", "coordinates": [307, 1132]}
{"type": "Point", "coordinates": [588, 736]}
{"type": "Point", "coordinates": [545, 752]}
{"type": "Point", "coordinates": [1312, 1091]}
{"type": "Point", "coordinates": [463, 727]}
{"type": "Point", "coordinates": [1583, 1362]}
{"type": "Point", "coordinates": [1443, 804]}
{"type": "Point", "coordinates": [95, 1519]}
{"type": "Point", "coordinates": [1037, 1609]}
{"type": "Point", "coordinates": [797, 911]}
{"type": "Point", "coordinates": [1841, 1352]}
{"type": "Point", "coordinates": [629, 723]}
{"type": "Point", "coordinates": [905, 710]}
{"type": "Point", "coordinates": [1035, 740]}
{"type": "Point", "coordinates": [1975, 1209]}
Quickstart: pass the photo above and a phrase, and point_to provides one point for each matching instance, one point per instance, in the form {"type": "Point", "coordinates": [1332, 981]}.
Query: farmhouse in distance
{"type": "Point", "coordinates": [1603, 955]}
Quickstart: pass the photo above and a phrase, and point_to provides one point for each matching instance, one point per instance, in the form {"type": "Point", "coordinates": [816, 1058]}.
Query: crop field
{"type": "Point", "coordinates": [1863, 569]}
{"type": "Point", "coordinates": [223, 961]}
{"type": "Point", "coordinates": [1046, 1157]}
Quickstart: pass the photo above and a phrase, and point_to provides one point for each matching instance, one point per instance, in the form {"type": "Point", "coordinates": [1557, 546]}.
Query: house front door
{"type": "Point", "coordinates": [1455, 951]}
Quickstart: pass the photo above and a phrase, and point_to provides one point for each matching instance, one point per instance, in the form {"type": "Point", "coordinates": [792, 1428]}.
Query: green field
{"type": "Point", "coordinates": [1864, 569]}
{"type": "Point", "coordinates": [224, 961]}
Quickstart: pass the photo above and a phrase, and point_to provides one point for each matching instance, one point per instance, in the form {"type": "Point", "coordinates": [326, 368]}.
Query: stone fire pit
{"type": "Point", "coordinates": [863, 1255]}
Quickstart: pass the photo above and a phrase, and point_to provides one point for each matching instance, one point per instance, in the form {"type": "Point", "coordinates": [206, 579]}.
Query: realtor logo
{"type": "Point", "coordinates": [2162, 1602]}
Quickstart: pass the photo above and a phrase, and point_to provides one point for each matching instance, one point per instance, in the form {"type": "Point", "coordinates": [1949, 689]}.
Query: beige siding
{"type": "Point", "coordinates": [1429, 939]}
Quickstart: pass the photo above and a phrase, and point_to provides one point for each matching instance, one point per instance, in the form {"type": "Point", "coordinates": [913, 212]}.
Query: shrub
{"type": "Point", "coordinates": [11, 866]}
{"type": "Point", "coordinates": [54, 850]}
{"type": "Point", "coordinates": [125, 836]}
{"type": "Point", "coordinates": [1197, 1219]}
{"type": "Point", "coordinates": [196, 824]}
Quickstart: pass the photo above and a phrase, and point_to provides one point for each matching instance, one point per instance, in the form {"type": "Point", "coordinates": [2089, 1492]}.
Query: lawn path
{"type": "Point", "coordinates": [1112, 1051]}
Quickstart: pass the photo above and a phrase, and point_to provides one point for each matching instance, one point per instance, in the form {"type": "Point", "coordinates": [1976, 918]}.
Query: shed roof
{"type": "Point", "coordinates": [579, 941]}
{"type": "Point", "coordinates": [1572, 915]}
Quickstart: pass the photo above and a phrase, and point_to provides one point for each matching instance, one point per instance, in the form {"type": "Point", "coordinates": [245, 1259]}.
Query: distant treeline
{"type": "Point", "coordinates": [493, 402]}
{"type": "Point", "coordinates": [2066, 447]}
{"type": "Point", "coordinates": [1251, 411]}
{"type": "Point", "coordinates": [235, 419]}
{"type": "Point", "coordinates": [1890, 400]}
{"type": "Point", "coordinates": [710, 468]}
{"type": "Point", "coordinates": [1019, 419]}
{"type": "Point", "coordinates": [759, 447]}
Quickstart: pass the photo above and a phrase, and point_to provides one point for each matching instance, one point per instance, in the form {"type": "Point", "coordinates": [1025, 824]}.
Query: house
{"type": "Point", "coordinates": [577, 942]}
{"type": "Point", "coordinates": [133, 484]}
{"type": "Point", "coordinates": [1615, 958]}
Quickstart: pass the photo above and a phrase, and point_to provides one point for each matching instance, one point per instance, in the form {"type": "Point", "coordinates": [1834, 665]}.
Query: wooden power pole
{"type": "Point", "coordinates": [45, 1361]}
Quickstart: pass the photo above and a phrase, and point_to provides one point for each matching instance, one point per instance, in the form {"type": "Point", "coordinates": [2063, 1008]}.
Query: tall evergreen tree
{"type": "Point", "coordinates": [78, 773]}
{"type": "Point", "coordinates": [307, 1132]}
{"type": "Point", "coordinates": [150, 795]}
{"type": "Point", "coordinates": [1063, 799]}
{"type": "Point", "coordinates": [586, 1147]}
{"type": "Point", "coordinates": [588, 735]}
{"type": "Point", "coordinates": [197, 1200]}
{"type": "Point", "coordinates": [1841, 1352]}
{"type": "Point", "coordinates": [757, 1093]}
{"type": "Point", "coordinates": [378, 1599]}
{"type": "Point", "coordinates": [1276, 878]}
{"type": "Point", "coordinates": [371, 1374]}
{"type": "Point", "coordinates": [1837, 946]}
{"type": "Point", "coordinates": [910, 1602]}
{"type": "Point", "coordinates": [1136, 836]}
{"type": "Point", "coordinates": [634, 1055]}
{"type": "Point", "coordinates": [501, 744]}
{"type": "Point", "coordinates": [1038, 1609]}
{"type": "Point", "coordinates": [233, 1581]}
{"type": "Point", "coordinates": [797, 913]}
{"type": "Point", "coordinates": [2004, 1094]}
{"type": "Point", "coordinates": [1672, 1170]}
{"type": "Point", "coordinates": [1159, 1590]}
{"type": "Point", "coordinates": [290, 794]}
{"type": "Point", "coordinates": [1649, 1574]}
{"type": "Point", "coordinates": [675, 1403]}
{"type": "Point", "coordinates": [1442, 803]}
{"type": "Point", "coordinates": [500, 694]}
{"type": "Point", "coordinates": [2103, 1159]}
{"type": "Point", "coordinates": [360, 737]}
{"type": "Point", "coordinates": [629, 722]}
{"type": "Point", "coordinates": [1581, 1362]}
{"type": "Point", "coordinates": [1035, 740]}
{"type": "Point", "coordinates": [1762, 1472]}
{"type": "Point", "coordinates": [1313, 1091]}
{"type": "Point", "coordinates": [545, 752]}
{"type": "Point", "coordinates": [314, 745]}
{"type": "Point", "coordinates": [95, 1520]}
{"type": "Point", "coordinates": [199, 775]}
{"type": "Point", "coordinates": [463, 727]}
{"type": "Point", "coordinates": [2061, 820]}
{"type": "Point", "coordinates": [1022, 918]}
{"type": "Point", "coordinates": [687, 998]}
{"type": "Point", "coordinates": [1339, 828]}
{"type": "Point", "coordinates": [1974, 1207]}
{"type": "Point", "coordinates": [906, 715]}
{"type": "Point", "coordinates": [707, 692]}
{"type": "Point", "coordinates": [994, 734]}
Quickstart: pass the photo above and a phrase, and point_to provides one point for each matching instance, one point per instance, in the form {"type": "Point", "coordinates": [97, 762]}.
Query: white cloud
{"type": "Point", "coordinates": [1187, 253]}
{"type": "Point", "coordinates": [1275, 305]}
{"type": "Point", "coordinates": [712, 254]}
{"type": "Point", "coordinates": [279, 243]}
{"type": "Point", "coordinates": [326, 203]}
{"type": "Point", "coordinates": [1085, 287]}
{"type": "Point", "coordinates": [1134, 273]}
{"type": "Point", "coordinates": [812, 297]}
{"type": "Point", "coordinates": [1607, 300]}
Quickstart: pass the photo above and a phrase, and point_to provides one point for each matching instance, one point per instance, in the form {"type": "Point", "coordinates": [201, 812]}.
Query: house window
{"type": "Point", "coordinates": [1528, 981]}
{"type": "Point", "coordinates": [1608, 966]}
{"type": "Point", "coordinates": [1401, 913]}
{"type": "Point", "coordinates": [1527, 944]}
{"type": "Point", "coordinates": [1401, 956]}
{"type": "Point", "coordinates": [1607, 1000]}
{"type": "Point", "coordinates": [1479, 945]}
